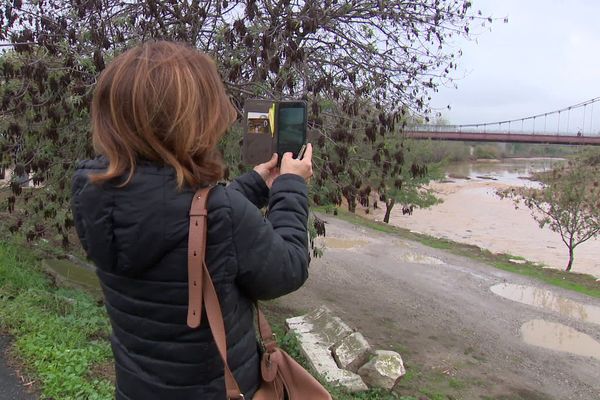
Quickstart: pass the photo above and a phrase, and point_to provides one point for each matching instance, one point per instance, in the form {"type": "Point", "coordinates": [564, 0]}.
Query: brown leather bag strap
{"type": "Point", "coordinates": [196, 250]}
{"type": "Point", "coordinates": [200, 287]}
{"type": "Point", "coordinates": [217, 326]}
{"type": "Point", "coordinates": [265, 331]}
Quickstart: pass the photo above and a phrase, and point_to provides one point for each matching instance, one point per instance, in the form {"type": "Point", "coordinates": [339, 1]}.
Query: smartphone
{"type": "Point", "coordinates": [301, 152]}
{"type": "Point", "coordinates": [291, 127]}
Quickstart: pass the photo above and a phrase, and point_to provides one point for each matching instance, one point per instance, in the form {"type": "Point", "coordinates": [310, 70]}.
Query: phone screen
{"type": "Point", "coordinates": [291, 127]}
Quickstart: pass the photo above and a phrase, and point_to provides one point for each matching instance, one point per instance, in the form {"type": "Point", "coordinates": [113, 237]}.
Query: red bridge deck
{"type": "Point", "coordinates": [504, 137]}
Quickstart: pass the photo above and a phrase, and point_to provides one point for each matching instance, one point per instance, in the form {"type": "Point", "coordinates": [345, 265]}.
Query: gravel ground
{"type": "Point", "coordinates": [439, 307]}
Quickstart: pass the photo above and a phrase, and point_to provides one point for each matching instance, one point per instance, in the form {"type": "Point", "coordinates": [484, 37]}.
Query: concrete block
{"type": "Point", "coordinates": [331, 329]}
{"type": "Point", "coordinates": [383, 370]}
{"type": "Point", "coordinates": [317, 332]}
{"type": "Point", "coordinates": [352, 352]}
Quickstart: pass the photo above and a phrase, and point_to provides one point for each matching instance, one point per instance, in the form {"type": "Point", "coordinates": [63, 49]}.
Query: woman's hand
{"type": "Point", "coordinates": [268, 171]}
{"type": "Point", "coordinates": [302, 167]}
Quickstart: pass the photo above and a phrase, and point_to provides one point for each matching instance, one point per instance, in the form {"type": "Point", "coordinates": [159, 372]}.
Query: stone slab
{"type": "Point", "coordinates": [317, 332]}
{"type": "Point", "coordinates": [352, 352]}
{"type": "Point", "coordinates": [517, 261]}
{"type": "Point", "coordinates": [330, 328]}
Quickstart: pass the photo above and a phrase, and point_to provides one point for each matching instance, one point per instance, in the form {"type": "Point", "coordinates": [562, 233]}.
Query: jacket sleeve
{"type": "Point", "coordinates": [252, 186]}
{"type": "Point", "coordinates": [272, 252]}
{"type": "Point", "coordinates": [77, 185]}
{"type": "Point", "coordinates": [92, 214]}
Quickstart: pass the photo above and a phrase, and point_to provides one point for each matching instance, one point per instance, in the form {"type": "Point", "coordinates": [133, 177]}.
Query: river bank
{"type": "Point", "coordinates": [450, 316]}
{"type": "Point", "coordinates": [472, 213]}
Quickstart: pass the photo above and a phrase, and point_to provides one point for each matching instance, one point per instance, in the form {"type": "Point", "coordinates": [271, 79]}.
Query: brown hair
{"type": "Point", "coordinates": [165, 102]}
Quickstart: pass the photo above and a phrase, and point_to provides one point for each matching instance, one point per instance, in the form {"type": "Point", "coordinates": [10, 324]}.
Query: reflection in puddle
{"type": "Point", "coordinates": [338, 243]}
{"type": "Point", "coordinates": [421, 259]}
{"type": "Point", "coordinates": [551, 335]}
{"type": "Point", "coordinates": [546, 299]}
{"type": "Point", "coordinates": [74, 273]}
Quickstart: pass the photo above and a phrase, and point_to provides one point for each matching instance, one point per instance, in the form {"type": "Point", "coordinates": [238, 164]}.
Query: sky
{"type": "Point", "coordinates": [545, 58]}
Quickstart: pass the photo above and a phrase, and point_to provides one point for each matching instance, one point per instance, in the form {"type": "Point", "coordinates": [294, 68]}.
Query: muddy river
{"type": "Point", "coordinates": [472, 213]}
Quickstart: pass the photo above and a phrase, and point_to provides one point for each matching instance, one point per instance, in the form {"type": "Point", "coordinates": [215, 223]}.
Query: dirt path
{"type": "Point", "coordinates": [438, 310]}
{"type": "Point", "coordinates": [11, 388]}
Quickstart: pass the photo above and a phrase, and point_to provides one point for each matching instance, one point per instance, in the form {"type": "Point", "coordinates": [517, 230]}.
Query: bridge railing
{"type": "Point", "coordinates": [502, 129]}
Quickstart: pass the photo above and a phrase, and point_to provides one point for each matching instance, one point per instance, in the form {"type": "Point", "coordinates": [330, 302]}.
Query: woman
{"type": "Point", "coordinates": [158, 112]}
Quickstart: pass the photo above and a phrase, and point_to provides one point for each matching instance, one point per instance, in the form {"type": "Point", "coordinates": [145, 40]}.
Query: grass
{"type": "Point", "coordinates": [60, 333]}
{"type": "Point", "coordinates": [456, 383]}
{"type": "Point", "coordinates": [581, 283]}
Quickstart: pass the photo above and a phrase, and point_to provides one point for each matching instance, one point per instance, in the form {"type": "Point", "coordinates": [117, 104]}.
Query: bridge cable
{"type": "Point", "coordinates": [583, 125]}
{"type": "Point", "coordinates": [533, 117]}
{"type": "Point", "coordinates": [592, 119]}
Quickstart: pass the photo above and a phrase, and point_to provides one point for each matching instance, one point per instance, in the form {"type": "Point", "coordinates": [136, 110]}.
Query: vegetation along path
{"type": "Point", "coordinates": [459, 338]}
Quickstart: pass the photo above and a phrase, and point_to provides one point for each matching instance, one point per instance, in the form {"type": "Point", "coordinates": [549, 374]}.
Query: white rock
{"type": "Point", "coordinates": [352, 352]}
{"type": "Point", "coordinates": [383, 370]}
{"type": "Point", "coordinates": [317, 332]}
{"type": "Point", "coordinates": [517, 261]}
{"type": "Point", "coordinates": [321, 321]}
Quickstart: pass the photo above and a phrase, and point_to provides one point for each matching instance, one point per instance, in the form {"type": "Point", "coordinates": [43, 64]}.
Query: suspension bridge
{"type": "Point", "coordinates": [572, 125]}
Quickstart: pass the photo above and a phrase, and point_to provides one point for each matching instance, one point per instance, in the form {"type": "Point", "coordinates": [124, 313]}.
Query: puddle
{"type": "Point", "coordinates": [339, 243]}
{"type": "Point", "coordinates": [546, 299]}
{"type": "Point", "coordinates": [554, 336]}
{"type": "Point", "coordinates": [402, 243]}
{"type": "Point", "coordinates": [421, 259]}
{"type": "Point", "coordinates": [75, 274]}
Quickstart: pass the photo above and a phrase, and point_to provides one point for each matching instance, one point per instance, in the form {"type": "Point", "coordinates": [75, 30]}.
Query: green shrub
{"type": "Point", "coordinates": [60, 334]}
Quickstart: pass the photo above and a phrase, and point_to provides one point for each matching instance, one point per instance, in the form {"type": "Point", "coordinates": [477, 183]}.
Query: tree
{"type": "Point", "coordinates": [364, 67]}
{"type": "Point", "coordinates": [409, 185]}
{"type": "Point", "coordinates": [568, 202]}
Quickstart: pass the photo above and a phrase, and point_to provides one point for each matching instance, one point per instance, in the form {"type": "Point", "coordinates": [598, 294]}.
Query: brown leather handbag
{"type": "Point", "coordinates": [282, 376]}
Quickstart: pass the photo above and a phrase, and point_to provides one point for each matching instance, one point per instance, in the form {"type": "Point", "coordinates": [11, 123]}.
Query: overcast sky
{"type": "Point", "coordinates": [546, 57]}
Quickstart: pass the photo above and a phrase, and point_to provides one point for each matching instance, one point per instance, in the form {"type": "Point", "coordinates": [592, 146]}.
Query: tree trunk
{"type": "Point", "coordinates": [351, 199]}
{"type": "Point", "coordinates": [571, 256]}
{"type": "Point", "coordinates": [388, 210]}
{"type": "Point", "coordinates": [352, 206]}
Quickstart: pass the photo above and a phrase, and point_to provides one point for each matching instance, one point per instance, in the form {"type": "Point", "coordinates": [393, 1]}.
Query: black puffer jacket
{"type": "Point", "coordinates": [137, 237]}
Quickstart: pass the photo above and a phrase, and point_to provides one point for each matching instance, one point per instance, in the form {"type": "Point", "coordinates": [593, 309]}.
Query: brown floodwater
{"type": "Point", "coordinates": [472, 213]}
{"type": "Point", "coordinates": [555, 336]}
{"type": "Point", "coordinates": [548, 300]}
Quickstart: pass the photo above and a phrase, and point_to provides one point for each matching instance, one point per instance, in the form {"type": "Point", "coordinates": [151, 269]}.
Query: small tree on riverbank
{"type": "Point", "coordinates": [408, 186]}
{"type": "Point", "coordinates": [568, 202]}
